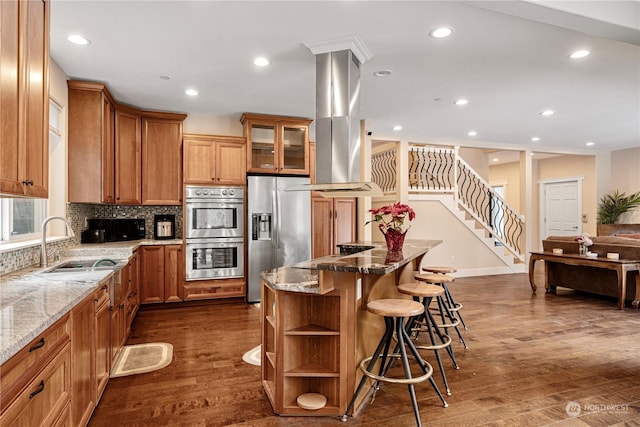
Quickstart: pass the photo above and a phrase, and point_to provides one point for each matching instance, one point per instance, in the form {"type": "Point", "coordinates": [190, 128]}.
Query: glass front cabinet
{"type": "Point", "coordinates": [276, 144]}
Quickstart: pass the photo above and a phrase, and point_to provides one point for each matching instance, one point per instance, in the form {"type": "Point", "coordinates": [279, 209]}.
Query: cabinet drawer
{"type": "Point", "coordinates": [45, 398]}
{"type": "Point", "coordinates": [102, 294]}
{"type": "Point", "coordinates": [208, 289]}
{"type": "Point", "coordinates": [25, 364]}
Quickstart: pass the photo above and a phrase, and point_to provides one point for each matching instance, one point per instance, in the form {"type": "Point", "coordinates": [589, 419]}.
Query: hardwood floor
{"type": "Point", "coordinates": [529, 356]}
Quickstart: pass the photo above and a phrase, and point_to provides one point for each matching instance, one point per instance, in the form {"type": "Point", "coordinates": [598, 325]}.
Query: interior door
{"type": "Point", "coordinates": [562, 209]}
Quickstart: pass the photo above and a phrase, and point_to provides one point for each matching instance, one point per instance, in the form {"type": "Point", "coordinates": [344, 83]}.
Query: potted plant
{"type": "Point", "coordinates": [613, 205]}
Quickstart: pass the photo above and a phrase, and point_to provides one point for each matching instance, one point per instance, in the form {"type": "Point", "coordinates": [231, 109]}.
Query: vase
{"type": "Point", "coordinates": [394, 239]}
{"type": "Point", "coordinates": [583, 249]}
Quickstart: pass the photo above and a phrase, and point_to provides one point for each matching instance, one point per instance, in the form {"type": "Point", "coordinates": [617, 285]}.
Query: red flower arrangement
{"type": "Point", "coordinates": [392, 217]}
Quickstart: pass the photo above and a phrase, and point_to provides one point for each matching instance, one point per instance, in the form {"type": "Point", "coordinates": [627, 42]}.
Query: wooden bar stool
{"type": "Point", "coordinates": [424, 293]}
{"type": "Point", "coordinates": [453, 305]}
{"type": "Point", "coordinates": [449, 320]}
{"type": "Point", "coordinates": [394, 312]}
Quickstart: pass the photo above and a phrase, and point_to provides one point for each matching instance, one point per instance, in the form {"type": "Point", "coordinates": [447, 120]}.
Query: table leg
{"type": "Point", "coordinates": [532, 265]}
{"type": "Point", "coordinates": [636, 300]}
{"type": "Point", "coordinates": [622, 286]}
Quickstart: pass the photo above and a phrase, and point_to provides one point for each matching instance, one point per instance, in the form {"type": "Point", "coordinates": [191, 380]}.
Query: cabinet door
{"type": "Point", "coordinates": [344, 222]}
{"type": "Point", "coordinates": [128, 173]}
{"type": "Point", "coordinates": [135, 287]}
{"type": "Point", "coordinates": [108, 151]}
{"type": "Point", "coordinates": [36, 97]}
{"type": "Point", "coordinates": [173, 273]}
{"type": "Point", "coordinates": [321, 226]}
{"type": "Point", "coordinates": [199, 162]}
{"type": "Point", "coordinates": [293, 149]}
{"type": "Point", "coordinates": [152, 274]}
{"type": "Point", "coordinates": [261, 143]}
{"type": "Point", "coordinates": [102, 327]}
{"type": "Point", "coordinates": [10, 182]}
{"type": "Point", "coordinates": [161, 161]}
{"type": "Point", "coordinates": [83, 385]}
{"type": "Point", "coordinates": [231, 163]}
{"type": "Point", "coordinates": [117, 331]}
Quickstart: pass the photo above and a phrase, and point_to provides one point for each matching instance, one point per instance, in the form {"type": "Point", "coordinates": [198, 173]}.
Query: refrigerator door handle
{"type": "Point", "coordinates": [275, 231]}
{"type": "Point", "coordinates": [278, 218]}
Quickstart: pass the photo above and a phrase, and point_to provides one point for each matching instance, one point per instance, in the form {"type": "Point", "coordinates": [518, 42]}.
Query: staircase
{"type": "Point", "coordinates": [440, 174]}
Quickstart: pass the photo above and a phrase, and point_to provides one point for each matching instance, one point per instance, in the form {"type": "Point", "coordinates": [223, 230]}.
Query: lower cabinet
{"type": "Point", "coordinates": [211, 289]}
{"type": "Point", "coordinates": [35, 384]}
{"type": "Point", "coordinates": [83, 387]}
{"type": "Point", "coordinates": [333, 221]}
{"type": "Point", "coordinates": [102, 332]}
{"type": "Point", "coordinates": [302, 350]}
{"type": "Point", "coordinates": [161, 273]}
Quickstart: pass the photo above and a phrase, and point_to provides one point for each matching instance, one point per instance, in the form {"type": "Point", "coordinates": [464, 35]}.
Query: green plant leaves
{"type": "Point", "coordinates": [614, 204]}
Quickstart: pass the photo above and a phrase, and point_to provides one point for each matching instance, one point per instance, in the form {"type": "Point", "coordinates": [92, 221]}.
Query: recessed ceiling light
{"type": "Point", "coordinates": [440, 33]}
{"type": "Point", "coordinates": [472, 133]}
{"type": "Point", "coordinates": [461, 101]}
{"type": "Point", "coordinates": [547, 113]}
{"type": "Point", "coordinates": [495, 159]}
{"type": "Point", "coordinates": [165, 77]}
{"type": "Point", "coordinates": [590, 144]}
{"type": "Point", "coordinates": [579, 54]}
{"type": "Point", "coordinates": [78, 39]}
{"type": "Point", "coordinates": [191, 92]}
{"type": "Point", "coordinates": [261, 61]}
{"type": "Point", "coordinates": [382, 73]}
{"type": "Point", "coordinates": [535, 139]}
{"type": "Point", "coordinates": [397, 127]}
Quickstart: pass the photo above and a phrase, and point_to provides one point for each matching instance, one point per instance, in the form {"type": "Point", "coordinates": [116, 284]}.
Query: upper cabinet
{"type": "Point", "coordinates": [120, 154]}
{"type": "Point", "coordinates": [128, 174]}
{"type": "Point", "coordinates": [162, 158]}
{"type": "Point", "coordinates": [91, 141]}
{"type": "Point", "coordinates": [276, 144]}
{"type": "Point", "coordinates": [24, 98]}
{"type": "Point", "coordinates": [211, 159]}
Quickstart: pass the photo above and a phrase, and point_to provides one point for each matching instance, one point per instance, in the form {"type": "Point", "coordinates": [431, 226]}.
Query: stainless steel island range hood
{"type": "Point", "coordinates": [337, 121]}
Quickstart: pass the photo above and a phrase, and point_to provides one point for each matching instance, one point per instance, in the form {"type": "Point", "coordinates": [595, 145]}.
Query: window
{"type": "Point", "coordinates": [21, 219]}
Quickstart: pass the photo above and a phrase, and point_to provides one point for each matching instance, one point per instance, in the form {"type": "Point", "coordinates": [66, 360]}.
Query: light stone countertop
{"type": "Point", "coordinates": [32, 300]}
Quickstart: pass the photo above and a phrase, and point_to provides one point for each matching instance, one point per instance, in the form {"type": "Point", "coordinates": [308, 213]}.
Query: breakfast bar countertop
{"type": "Point", "coordinates": [303, 276]}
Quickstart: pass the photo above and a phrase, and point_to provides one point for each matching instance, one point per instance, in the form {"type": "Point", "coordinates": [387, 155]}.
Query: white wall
{"type": "Point", "coordinates": [58, 152]}
{"type": "Point", "coordinates": [212, 125]}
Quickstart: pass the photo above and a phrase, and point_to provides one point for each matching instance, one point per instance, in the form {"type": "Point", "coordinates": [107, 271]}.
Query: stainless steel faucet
{"type": "Point", "coordinates": [43, 244]}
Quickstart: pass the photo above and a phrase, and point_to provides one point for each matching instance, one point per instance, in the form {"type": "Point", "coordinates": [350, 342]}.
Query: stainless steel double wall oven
{"type": "Point", "coordinates": [214, 227]}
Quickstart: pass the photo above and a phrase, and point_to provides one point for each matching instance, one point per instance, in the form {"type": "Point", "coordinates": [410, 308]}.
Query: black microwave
{"type": "Point", "coordinates": [115, 230]}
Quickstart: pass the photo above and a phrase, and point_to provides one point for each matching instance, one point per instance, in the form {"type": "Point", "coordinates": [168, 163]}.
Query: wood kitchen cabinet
{"type": "Point", "coordinates": [161, 273]}
{"type": "Point", "coordinates": [212, 159]}
{"type": "Point", "coordinates": [102, 332]}
{"type": "Point", "coordinates": [303, 349]}
{"type": "Point", "coordinates": [333, 221]}
{"type": "Point", "coordinates": [41, 367]}
{"type": "Point", "coordinates": [91, 143]}
{"type": "Point", "coordinates": [120, 154]}
{"type": "Point", "coordinates": [127, 149]}
{"type": "Point", "coordinates": [162, 158]}
{"type": "Point", "coordinates": [24, 98]}
{"type": "Point", "coordinates": [277, 144]}
{"type": "Point", "coordinates": [83, 385]}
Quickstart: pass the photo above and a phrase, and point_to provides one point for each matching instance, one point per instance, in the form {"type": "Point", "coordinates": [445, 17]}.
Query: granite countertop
{"type": "Point", "coordinates": [31, 300]}
{"type": "Point", "coordinates": [303, 276]}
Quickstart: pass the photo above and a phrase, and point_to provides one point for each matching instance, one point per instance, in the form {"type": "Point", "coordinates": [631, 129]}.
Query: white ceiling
{"type": "Point", "coordinates": [508, 58]}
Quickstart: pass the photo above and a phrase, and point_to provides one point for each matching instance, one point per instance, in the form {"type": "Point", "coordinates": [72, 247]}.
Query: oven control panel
{"type": "Point", "coordinates": [193, 192]}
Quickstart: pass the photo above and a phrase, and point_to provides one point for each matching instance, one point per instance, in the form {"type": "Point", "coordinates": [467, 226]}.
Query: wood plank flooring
{"type": "Point", "coordinates": [530, 355]}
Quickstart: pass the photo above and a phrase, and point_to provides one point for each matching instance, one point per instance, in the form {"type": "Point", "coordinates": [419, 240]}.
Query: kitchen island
{"type": "Point", "coordinates": [316, 328]}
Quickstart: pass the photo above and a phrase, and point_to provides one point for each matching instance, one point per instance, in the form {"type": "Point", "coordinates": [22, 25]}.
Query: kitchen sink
{"type": "Point", "coordinates": [88, 265]}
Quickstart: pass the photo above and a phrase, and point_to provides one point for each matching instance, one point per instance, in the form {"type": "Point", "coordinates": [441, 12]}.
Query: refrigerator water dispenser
{"type": "Point", "coordinates": [261, 226]}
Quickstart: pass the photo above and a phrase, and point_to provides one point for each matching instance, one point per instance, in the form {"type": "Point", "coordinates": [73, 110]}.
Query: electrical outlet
{"type": "Point", "coordinates": [585, 219]}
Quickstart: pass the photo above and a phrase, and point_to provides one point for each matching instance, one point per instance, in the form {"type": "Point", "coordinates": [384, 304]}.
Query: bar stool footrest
{"type": "Point", "coordinates": [413, 380]}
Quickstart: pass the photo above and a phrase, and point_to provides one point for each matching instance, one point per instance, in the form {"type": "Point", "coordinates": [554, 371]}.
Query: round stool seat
{"type": "Point", "coordinates": [434, 278]}
{"type": "Point", "coordinates": [439, 269]}
{"type": "Point", "coordinates": [421, 289]}
{"type": "Point", "coordinates": [395, 307]}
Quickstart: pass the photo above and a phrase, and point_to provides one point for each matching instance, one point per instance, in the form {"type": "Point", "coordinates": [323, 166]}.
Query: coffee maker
{"type": "Point", "coordinates": [164, 227]}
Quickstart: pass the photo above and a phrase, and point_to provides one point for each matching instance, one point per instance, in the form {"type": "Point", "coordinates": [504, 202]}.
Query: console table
{"type": "Point", "coordinates": [620, 266]}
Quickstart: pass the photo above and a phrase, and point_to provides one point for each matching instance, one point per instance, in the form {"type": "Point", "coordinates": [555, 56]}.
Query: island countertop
{"type": "Point", "coordinates": [303, 276]}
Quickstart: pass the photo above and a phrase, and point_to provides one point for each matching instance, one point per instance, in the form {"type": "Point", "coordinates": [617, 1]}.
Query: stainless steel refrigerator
{"type": "Point", "coordinates": [278, 226]}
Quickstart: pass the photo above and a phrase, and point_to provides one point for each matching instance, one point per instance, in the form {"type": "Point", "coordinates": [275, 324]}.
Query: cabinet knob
{"type": "Point", "coordinates": [40, 389]}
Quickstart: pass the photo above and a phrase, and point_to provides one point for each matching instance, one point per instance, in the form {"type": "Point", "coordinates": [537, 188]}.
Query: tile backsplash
{"type": "Point", "coordinates": [77, 214]}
